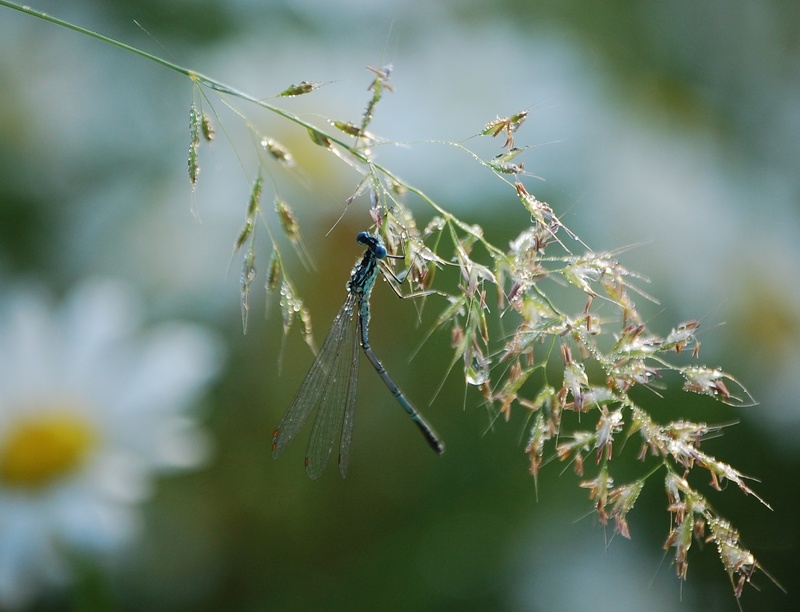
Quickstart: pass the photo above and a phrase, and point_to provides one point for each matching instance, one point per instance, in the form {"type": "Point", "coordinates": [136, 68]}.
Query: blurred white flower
{"type": "Point", "coordinates": [91, 408]}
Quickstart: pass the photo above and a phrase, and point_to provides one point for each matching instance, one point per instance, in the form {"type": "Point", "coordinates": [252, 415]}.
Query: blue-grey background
{"type": "Point", "coordinates": [671, 127]}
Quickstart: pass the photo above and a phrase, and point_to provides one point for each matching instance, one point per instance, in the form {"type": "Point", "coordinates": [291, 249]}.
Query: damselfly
{"type": "Point", "coordinates": [330, 385]}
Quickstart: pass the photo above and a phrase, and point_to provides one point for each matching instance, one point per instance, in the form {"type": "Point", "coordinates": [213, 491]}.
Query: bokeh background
{"type": "Point", "coordinates": [671, 127]}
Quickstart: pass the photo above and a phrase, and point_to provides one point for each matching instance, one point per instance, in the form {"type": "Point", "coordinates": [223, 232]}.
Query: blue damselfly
{"type": "Point", "coordinates": [330, 385]}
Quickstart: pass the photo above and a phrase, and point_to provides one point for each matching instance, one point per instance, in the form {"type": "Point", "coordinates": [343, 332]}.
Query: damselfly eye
{"type": "Point", "coordinates": [363, 238]}
{"type": "Point", "coordinates": [379, 250]}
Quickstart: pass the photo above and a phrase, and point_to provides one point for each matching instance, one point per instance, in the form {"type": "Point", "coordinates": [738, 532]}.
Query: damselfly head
{"type": "Point", "coordinates": [373, 243]}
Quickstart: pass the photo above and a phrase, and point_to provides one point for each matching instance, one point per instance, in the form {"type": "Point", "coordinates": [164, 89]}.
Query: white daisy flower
{"type": "Point", "coordinates": [90, 410]}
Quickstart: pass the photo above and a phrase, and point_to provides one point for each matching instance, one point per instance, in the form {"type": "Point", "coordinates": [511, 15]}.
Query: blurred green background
{"type": "Point", "coordinates": [672, 126]}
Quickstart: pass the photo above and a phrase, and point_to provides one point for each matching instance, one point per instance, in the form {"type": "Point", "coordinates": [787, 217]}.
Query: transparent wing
{"type": "Point", "coordinates": [318, 383]}
{"type": "Point", "coordinates": [350, 406]}
{"type": "Point", "coordinates": [337, 399]}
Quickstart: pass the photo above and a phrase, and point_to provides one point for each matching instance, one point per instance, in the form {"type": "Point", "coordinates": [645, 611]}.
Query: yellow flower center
{"type": "Point", "coordinates": [37, 451]}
